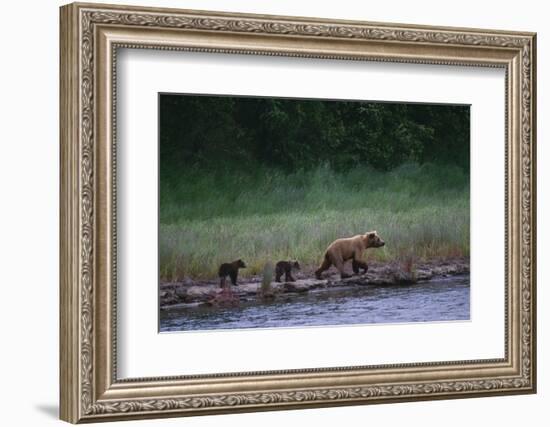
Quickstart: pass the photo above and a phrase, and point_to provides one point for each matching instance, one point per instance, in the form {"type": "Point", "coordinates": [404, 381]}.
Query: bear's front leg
{"type": "Point", "coordinates": [288, 277]}
{"type": "Point", "coordinates": [359, 265]}
{"type": "Point", "coordinates": [233, 278]}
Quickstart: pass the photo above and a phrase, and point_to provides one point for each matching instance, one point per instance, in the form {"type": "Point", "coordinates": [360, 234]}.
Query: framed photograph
{"type": "Point", "coordinates": [267, 212]}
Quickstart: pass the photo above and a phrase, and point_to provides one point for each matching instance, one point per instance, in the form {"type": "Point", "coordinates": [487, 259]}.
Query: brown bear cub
{"type": "Point", "coordinates": [230, 269]}
{"type": "Point", "coordinates": [286, 267]}
{"type": "Point", "coordinates": [350, 248]}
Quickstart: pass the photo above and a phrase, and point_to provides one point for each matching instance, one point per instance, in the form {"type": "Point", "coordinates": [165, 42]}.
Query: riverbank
{"type": "Point", "coordinates": [209, 293]}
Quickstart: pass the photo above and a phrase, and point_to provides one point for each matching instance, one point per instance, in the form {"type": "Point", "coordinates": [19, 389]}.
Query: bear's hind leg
{"type": "Point", "coordinates": [339, 264]}
{"type": "Point", "coordinates": [325, 265]}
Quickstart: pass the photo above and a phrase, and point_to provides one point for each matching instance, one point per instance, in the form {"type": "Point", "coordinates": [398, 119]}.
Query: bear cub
{"type": "Point", "coordinates": [286, 267]}
{"type": "Point", "coordinates": [230, 269]}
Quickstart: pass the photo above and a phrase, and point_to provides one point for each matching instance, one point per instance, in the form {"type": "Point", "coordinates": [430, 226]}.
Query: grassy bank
{"type": "Point", "coordinates": [207, 219]}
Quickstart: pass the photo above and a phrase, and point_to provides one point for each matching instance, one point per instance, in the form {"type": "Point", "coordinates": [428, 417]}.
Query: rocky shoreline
{"type": "Point", "coordinates": [193, 293]}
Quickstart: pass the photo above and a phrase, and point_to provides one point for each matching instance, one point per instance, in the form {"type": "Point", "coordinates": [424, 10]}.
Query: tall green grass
{"type": "Point", "coordinates": [267, 215]}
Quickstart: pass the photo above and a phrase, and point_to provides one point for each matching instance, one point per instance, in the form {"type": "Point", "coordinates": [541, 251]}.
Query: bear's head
{"type": "Point", "coordinates": [240, 263]}
{"type": "Point", "coordinates": [295, 265]}
{"type": "Point", "coordinates": [373, 240]}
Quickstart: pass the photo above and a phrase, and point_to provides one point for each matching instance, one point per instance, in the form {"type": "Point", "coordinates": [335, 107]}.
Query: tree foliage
{"type": "Point", "coordinates": [223, 133]}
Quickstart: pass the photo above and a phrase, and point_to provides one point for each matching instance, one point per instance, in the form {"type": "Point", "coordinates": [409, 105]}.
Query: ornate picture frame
{"type": "Point", "coordinates": [90, 37]}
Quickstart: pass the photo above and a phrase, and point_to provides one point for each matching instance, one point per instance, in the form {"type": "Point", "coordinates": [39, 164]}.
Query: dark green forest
{"type": "Point", "coordinates": [221, 133]}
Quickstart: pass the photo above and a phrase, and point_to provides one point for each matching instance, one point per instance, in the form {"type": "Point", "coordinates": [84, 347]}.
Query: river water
{"type": "Point", "coordinates": [443, 299]}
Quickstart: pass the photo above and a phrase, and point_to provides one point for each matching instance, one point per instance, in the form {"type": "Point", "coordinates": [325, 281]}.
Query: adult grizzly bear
{"type": "Point", "coordinates": [342, 250]}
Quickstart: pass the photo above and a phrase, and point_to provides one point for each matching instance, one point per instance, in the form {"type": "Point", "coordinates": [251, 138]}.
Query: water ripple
{"type": "Point", "coordinates": [437, 300]}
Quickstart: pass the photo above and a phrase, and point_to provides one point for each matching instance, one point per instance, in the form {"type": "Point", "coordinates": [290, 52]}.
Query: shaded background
{"type": "Point", "coordinates": [220, 132]}
{"type": "Point", "coordinates": [268, 179]}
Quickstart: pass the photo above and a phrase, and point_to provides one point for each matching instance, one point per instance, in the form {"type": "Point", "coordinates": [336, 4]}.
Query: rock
{"type": "Point", "coordinates": [226, 297]}
{"type": "Point", "coordinates": [404, 278]}
{"type": "Point", "coordinates": [296, 287]}
{"type": "Point", "coordinates": [181, 292]}
{"type": "Point", "coordinates": [206, 304]}
{"type": "Point", "coordinates": [167, 297]}
{"type": "Point", "coordinates": [248, 288]}
{"type": "Point", "coordinates": [378, 280]}
{"type": "Point", "coordinates": [303, 285]}
{"type": "Point", "coordinates": [196, 293]}
{"type": "Point", "coordinates": [423, 274]}
{"type": "Point", "coordinates": [268, 297]}
{"type": "Point", "coordinates": [438, 271]}
{"type": "Point", "coordinates": [353, 280]}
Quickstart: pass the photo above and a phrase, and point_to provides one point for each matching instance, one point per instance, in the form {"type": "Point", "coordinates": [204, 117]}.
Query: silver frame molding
{"type": "Point", "coordinates": [90, 37]}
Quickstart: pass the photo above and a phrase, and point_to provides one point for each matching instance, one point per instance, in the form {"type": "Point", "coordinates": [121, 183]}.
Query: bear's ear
{"type": "Point", "coordinates": [371, 233]}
